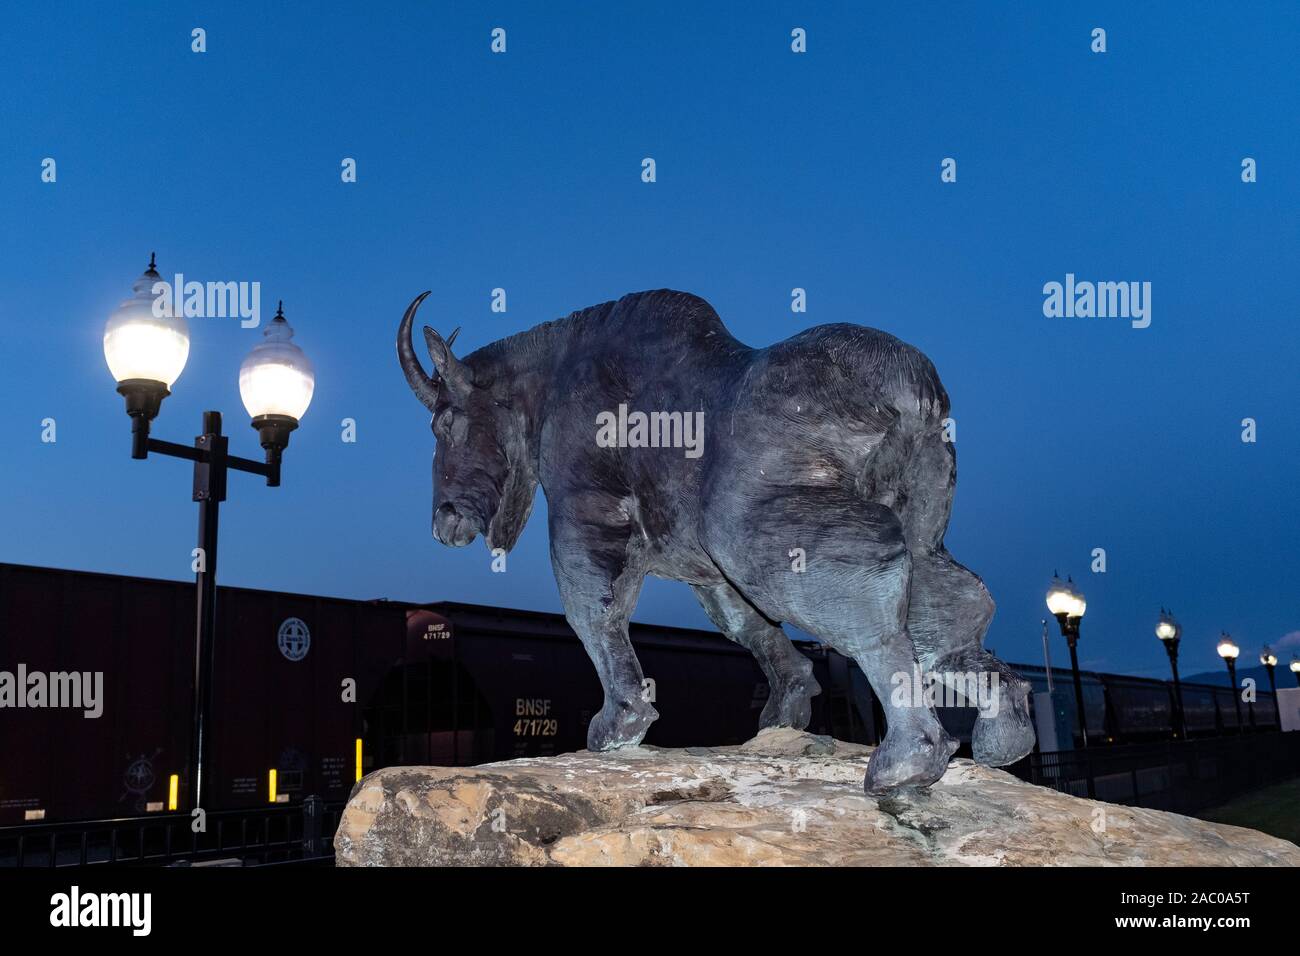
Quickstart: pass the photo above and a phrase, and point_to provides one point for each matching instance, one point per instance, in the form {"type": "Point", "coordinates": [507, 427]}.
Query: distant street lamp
{"type": "Point", "coordinates": [1067, 606]}
{"type": "Point", "coordinates": [146, 347]}
{"type": "Point", "coordinates": [1170, 633]}
{"type": "Point", "coordinates": [1228, 650]}
{"type": "Point", "coordinates": [1295, 668]}
{"type": "Point", "coordinates": [1269, 660]}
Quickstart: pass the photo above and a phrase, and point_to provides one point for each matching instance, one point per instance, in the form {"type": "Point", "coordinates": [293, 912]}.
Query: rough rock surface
{"type": "Point", "coordinates": [783, 798]}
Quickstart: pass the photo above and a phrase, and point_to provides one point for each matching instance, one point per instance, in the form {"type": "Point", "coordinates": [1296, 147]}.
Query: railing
{"type": "Point", "coordinates": [1183, 776]}
{"type": "Point", "coordinates": [262, 835]}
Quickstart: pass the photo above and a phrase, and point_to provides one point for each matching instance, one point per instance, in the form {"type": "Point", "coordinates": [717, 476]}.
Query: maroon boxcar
{"type": "Point", "coordinates": [299, 679]}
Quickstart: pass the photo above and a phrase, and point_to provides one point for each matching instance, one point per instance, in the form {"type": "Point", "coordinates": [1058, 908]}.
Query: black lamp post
{"type": "Point", "coordinates": [1170, 633]}
{"type": "Point", "coordinates": [1228, 650]}
{"type": "Point", "coordinates": [1269, 660]}
{"type": "Point", "coordinates": [146, 347]}
{"type": "Point", "coordinates": [1067, 606]}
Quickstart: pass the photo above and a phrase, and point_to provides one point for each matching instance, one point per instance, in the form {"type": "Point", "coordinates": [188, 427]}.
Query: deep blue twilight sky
{"type": "Point", "coordinates": [775, 170]}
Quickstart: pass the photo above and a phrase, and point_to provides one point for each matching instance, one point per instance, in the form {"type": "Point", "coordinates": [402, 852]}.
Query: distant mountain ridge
{"type": "Point", "coordinates": [1281, 674]}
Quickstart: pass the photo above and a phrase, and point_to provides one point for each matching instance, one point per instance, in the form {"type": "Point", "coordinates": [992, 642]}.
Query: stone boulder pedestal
{"type": "Point", "coordinates": [785, 798]}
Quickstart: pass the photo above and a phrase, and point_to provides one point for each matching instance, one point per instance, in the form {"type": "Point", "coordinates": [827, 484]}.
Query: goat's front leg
{"type": "Point", "coordinates": [599, 564]}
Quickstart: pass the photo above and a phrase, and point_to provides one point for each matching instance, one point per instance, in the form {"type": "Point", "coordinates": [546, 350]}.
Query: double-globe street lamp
{"type": "Point", "coordinates": [146, 346]}
{"type": "Point", "coordinates": [1067, 605]}
{"type": "Point", "coordinates": [1170, 633]}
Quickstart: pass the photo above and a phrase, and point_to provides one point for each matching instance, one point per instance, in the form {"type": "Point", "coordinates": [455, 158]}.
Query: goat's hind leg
{"type": "Point", "coordinates": [949, 612]}
{"type": "Point", "coordinates": [916, 748]}
{"type": "Point", "coordinates": [853, 595]}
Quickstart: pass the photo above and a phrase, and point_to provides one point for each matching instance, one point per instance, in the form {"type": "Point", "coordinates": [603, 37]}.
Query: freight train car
{"type": "Point", "coordinates": [277, 697]}
{"type": "Point", "coordinates": [477, 683]}
{"type": "Point", "coordinates": [1120, 709]}
{"type": "Point", "coordinates": [299, 680]}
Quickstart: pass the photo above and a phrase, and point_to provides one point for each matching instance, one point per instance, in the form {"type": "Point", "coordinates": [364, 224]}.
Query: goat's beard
{"type": "Point", "coordinates": [512, 514]}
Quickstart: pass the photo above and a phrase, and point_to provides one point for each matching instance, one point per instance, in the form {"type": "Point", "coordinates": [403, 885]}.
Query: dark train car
{"type": "Point", "coordinates": [58, 763]}
{"type": "Point", "coordinates": [299, 680]}
{"type": "Point", "coordinates": [421, 705]}
{"type": "Point", "coordinates": [290, 673]}
{"type": "Point", "coordinates": [1094, 698]}
{"type": "Point", "coordinates": [1211, 710]}
{"type": "Point", "coordinates": [1138, 709]}
{"type": "Point", "coordinates": [1201, 710]}
{"type": "Point", "coordinates": [1228, 713]}
{"type": "Point", "coordinates": [1123, 710]}
{"type": "Point", "coordinates": [1265, 712]}
{"type": "Point", "coordinates": [480, 684]}
{"type": "Point", "coordinates": [279, 699]}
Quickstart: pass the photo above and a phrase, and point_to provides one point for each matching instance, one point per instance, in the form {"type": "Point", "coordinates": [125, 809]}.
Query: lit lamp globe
{"type": "Point", "coordinates": [1080, 605]}
{"type": "Point", "coordinates": [1067, 606]}
{"type": "Point", "coordinates": [1267, 657]}
{"type": "Point", "coordinates": [145, 346]}
{"type": "Point", "coordinates": [1227, 649]}
{"type": "Point", "coordinates": [1061, 599]}
{"type": "Point", "coordinates": [1167, 629]}
{"type": "Point", "coordinates": [276, 382]}
{"type": "Point", "coordinates": [1295, 667]}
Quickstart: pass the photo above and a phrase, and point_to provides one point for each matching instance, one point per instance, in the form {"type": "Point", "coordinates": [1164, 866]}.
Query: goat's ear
{"type": "Point", "coordinates": [439, 351]}
{"type": "Point", "coordinates": [454, 375]}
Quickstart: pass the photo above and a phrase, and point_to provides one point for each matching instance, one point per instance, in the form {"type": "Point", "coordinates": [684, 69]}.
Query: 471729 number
{"type": "Point", "coordinates": [537, 727]}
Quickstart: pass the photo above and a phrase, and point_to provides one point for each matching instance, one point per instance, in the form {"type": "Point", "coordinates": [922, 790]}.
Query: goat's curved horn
{"type": "Point", "coordinates": [451, 339]}
{"type": "Point", "coordinates": [424, 387]}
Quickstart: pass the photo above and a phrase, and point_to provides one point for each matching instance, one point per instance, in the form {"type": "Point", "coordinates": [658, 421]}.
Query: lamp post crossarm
{"type": "Point", "coordinates": [270, 470]}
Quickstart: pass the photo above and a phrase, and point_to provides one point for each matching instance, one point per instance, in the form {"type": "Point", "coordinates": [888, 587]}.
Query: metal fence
{"type": "Point", "coordinates": [263, 835]}
{"type": "Point", "coordinates": [1183, 776]}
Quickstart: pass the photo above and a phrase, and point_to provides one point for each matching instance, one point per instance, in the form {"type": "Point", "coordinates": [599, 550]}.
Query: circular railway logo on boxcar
{"type": "Point", "coordinates": [139, 775]}
{"type": "Point", "coordinates": [294, 638]}
{"type": "Point", "coordinates": [138, 779]}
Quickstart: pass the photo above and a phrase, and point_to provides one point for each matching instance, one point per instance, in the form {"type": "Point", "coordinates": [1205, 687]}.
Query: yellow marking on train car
{"type": "Point", "coordinates": [273, 800]}
{"type": "Point", "coordinates": [173, 791]}
{"type": "Point", "coordinates": [358, 759]}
